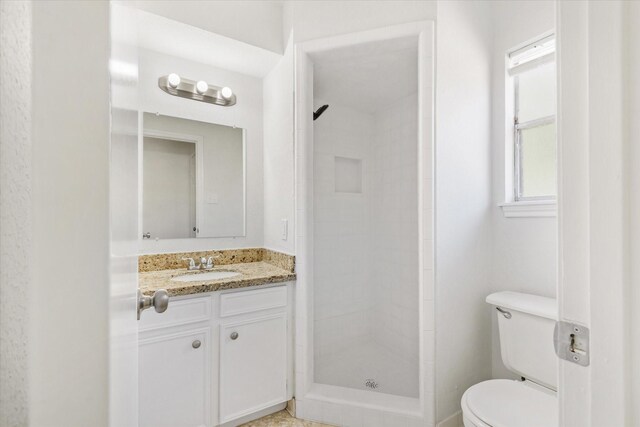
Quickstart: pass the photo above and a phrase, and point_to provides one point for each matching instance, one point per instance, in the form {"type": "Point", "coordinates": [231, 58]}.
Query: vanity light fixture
{"type": "Point", "coordinates": [202, 87]}
{"type": "Point", "coordinates": [202, 91]}
{"type": "Point", "coordinates": [173, 80]}
{"type": "Point", "coordinates": [226, 92]}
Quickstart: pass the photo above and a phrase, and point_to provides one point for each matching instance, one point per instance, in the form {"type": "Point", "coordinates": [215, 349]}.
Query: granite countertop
{"type": "Point", "coordinates": [251, 274]}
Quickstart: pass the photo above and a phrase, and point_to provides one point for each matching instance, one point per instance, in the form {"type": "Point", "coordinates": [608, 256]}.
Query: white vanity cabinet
{"type": "Point", "coordinates": [253, 352]}
{"type": "Point", "coordinates": [175, 379]}
{"type": "Point", "coordinates": [213, 358]}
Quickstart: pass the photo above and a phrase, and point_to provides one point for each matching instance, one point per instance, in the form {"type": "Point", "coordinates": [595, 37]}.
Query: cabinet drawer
{"type": "Point", "coordinates": [235, 303]}
{"type": "Point", "coordinates": [178, 312]}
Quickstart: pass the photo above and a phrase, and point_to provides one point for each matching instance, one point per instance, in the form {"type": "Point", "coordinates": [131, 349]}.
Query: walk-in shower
{"type": "Point", "coordinates": [365, 217]}
{"type": "Point", "coordinates": [364, 201]}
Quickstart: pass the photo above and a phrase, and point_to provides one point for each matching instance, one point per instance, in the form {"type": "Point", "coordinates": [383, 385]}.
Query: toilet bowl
{"type": "Point", "coordinates": [526, 325]}
{"type": "Point", "coordinates": [509, 403]}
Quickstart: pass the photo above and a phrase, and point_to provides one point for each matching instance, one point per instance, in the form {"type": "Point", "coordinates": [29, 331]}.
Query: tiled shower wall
{"type": "Point", "coordinates": [394, 257]}
{"type": "Point", "coordinates": [366, 291]}
{"type": "Point", "coordinates": [342, 294]}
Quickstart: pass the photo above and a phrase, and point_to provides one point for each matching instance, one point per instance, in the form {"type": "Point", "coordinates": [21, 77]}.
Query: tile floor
{"type": "Point", "coordinates": [282, 419]}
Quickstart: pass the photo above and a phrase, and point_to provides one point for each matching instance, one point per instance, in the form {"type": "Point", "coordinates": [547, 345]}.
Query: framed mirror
{"type": "Point", "coordinates": [193, 179]}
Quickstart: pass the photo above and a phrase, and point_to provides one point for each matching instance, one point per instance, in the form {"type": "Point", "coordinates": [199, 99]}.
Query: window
{"type": "Point", "coordinates": [532, 76]}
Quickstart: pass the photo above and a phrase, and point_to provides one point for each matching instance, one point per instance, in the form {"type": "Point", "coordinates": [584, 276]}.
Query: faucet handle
{"type": "Point", "coordinates": [192, 264]}
{"type": "Point", "coordinates": [207, 263]}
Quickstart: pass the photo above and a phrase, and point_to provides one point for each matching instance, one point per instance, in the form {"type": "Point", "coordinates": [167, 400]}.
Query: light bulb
{"type": "Point", "coordinates": [202, 87]}
{"type": "Point", "coordinates": [226, 92]}
{"type": "Point", "coordinates": [173, 80]}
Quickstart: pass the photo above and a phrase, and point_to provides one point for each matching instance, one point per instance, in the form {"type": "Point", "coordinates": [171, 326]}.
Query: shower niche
{"type": "Point", "coordinates": [364, 202]}
{"type": "Point", "coordinates": [348, 175]}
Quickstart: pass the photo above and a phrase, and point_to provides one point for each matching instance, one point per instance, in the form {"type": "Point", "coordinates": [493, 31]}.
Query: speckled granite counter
{"type": "Point", "coordinates": [265, 268]}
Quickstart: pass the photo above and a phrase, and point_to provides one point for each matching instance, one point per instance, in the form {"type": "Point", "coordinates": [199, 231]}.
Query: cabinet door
{"type": "Point", "coordinates": [253, 365]}
{"type": "Point", "coordinates": [175, 380]}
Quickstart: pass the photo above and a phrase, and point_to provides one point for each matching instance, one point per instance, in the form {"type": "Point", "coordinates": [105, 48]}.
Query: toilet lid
{"type": "Point", "coordinates": [508, 403]}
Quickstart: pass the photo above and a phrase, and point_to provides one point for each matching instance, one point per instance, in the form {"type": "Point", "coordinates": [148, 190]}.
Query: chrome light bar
{"type": "Point", "coordinates": [198, 91]}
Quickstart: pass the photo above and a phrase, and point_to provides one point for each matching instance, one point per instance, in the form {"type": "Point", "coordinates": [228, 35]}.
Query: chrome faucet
{"type": "Point", "coordinates": [207, 263]}
{"type": "Point", "coordinates": [192, 264]}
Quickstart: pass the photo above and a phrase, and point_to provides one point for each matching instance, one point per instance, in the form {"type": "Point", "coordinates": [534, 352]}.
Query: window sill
{"type": "Point", "coordinates": [530, 209]}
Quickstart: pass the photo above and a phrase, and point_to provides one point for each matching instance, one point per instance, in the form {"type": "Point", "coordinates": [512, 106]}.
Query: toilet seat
{"type": "Point", "coordinates": [509, 403]}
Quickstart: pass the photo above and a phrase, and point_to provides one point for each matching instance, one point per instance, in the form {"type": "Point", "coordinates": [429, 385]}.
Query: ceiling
{"type": "Point", "coordinates": [253, 22]}
{"type": "Point", "coordinates": [182, 40]}
{"type": "Point", "coordinates": [367, 77]}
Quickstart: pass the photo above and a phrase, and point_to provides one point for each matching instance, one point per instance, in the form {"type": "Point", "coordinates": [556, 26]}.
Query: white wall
{"type": "Point", "coordinates": [524, 256]}
{"type": "Point", "coordinates": [278, 146]}
{"type": "Point", "coordinates": [69, 293]}
{"type": "Point", "coordinates": [16, 235]}
{"type": "Point", "coordinates": [315, 19]}
{"type": "Point", "coordinates": [463, 200]}
{"type": "Point", "coordinates": [246, 114]}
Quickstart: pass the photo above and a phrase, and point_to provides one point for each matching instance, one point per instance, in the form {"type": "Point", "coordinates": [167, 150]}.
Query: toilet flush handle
{"type": "Point", "coordinates": [504, 312]}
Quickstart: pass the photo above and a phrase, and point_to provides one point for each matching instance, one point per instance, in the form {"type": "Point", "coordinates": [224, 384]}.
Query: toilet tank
{"type": "Point", "coordinates": [526, 325]}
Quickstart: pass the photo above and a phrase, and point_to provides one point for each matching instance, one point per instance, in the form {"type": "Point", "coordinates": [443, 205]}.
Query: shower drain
{"type": "Point", "coordinates": [371, 383]}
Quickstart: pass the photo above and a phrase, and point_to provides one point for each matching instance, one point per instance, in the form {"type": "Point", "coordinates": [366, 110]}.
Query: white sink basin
{"type": "Point", "coordinates": [203, 277]}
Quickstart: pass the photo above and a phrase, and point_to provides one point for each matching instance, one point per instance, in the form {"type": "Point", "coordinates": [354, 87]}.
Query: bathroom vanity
{"type": "Point", "coordinates": [210, 175]}
{"type": "Point", "coordinates": [223, 349]}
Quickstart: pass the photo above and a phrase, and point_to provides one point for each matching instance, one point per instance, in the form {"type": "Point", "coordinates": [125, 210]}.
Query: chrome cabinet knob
{"type": "Point", "coordinates": [159, 301]}
{"type": "Point", "coordinates": [196, 344]}
{"type": "Point", "coordinates": [233, 336]}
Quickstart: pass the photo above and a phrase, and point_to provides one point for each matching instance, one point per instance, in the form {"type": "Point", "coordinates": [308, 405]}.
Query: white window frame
{"type": "Point", "coordinates": [516, 204]}
{"type": "Point", "coordinates": [517, 166]}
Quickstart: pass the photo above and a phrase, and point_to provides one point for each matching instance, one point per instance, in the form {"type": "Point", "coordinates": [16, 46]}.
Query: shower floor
{"type": "Point", "coordinates": [372, 367]}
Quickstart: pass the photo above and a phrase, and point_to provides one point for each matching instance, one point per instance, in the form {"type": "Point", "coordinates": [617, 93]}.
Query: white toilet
{"type": "Point", "coordinates": [526, 325]}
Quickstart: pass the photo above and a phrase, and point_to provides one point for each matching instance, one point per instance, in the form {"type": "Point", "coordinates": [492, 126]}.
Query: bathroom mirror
{"type": "Point", "coordinates": [193, 179]}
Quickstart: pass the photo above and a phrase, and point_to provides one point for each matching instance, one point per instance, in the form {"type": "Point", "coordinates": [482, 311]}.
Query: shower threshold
{"type": "Point", "coordinates": [366, 399]}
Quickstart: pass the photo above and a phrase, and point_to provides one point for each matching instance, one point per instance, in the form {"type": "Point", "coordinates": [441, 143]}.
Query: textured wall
{"type": "Point", "coordinates": [15, 203]}
{"type": "Point", "coordinates": [634, 202]}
